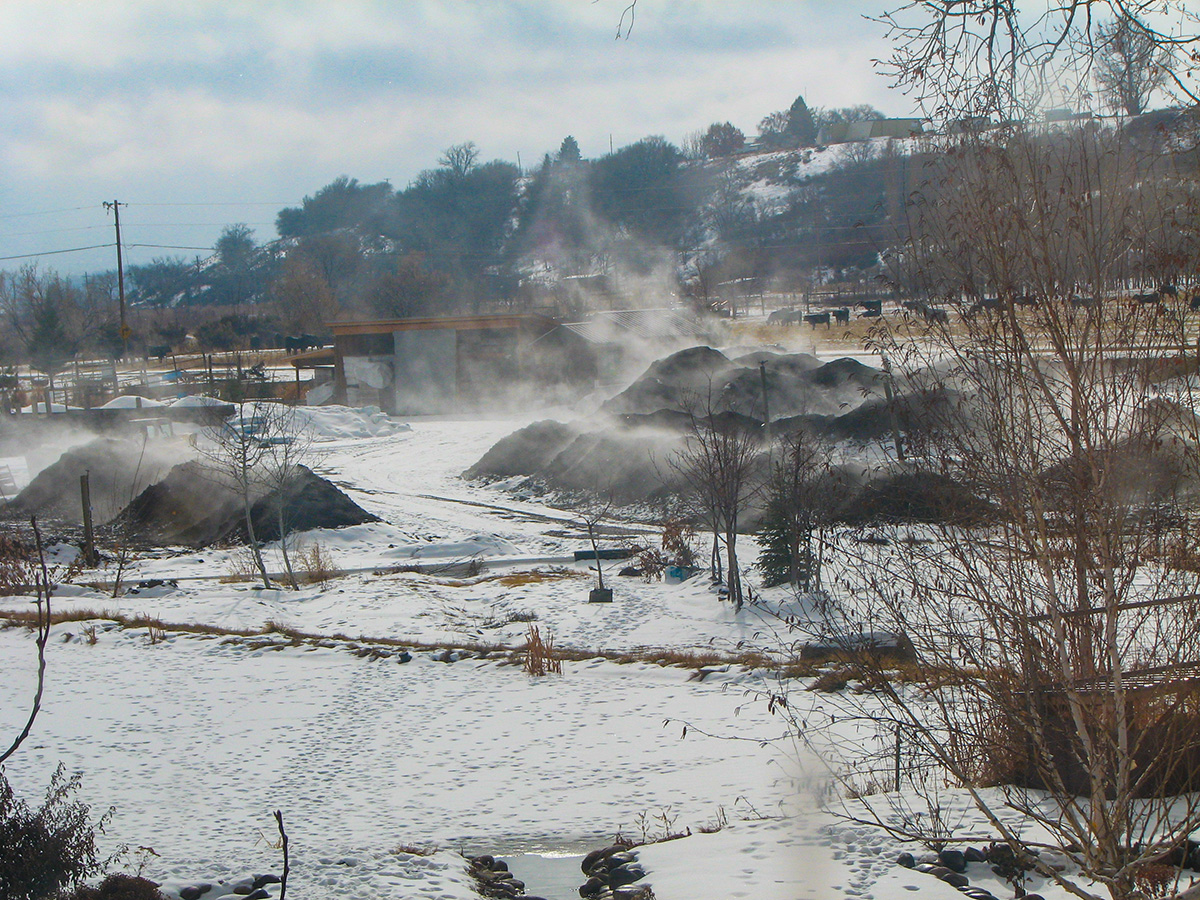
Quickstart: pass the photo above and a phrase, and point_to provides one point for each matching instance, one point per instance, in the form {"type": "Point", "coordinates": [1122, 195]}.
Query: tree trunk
{"type": "Point", "coordinates": [735, 579]}
{"type": "Point", "coordinates": [283, 548]}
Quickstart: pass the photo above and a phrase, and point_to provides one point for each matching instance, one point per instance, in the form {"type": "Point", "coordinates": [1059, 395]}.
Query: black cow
{"type": "Point", "coordinates": [933, 314]}
{"type": "Point", "coordinates": [815, 319]}
{"type": "Point", "coordinates": [841, 316]}
{"type": "Point", "coordinates": [872, 309]}
{"type": "Point", "coordinates": [1084, 302]}
{"type": "Point", "coordinates": [298, 343]}
{"type": "Point", "coordinates": [1166, 290]}
{"type": "Point", "coordinates": [158, 351]}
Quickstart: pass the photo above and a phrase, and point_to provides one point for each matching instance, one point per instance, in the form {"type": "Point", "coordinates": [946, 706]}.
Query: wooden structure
{"type": "Point", "coordinates": [433, 364]}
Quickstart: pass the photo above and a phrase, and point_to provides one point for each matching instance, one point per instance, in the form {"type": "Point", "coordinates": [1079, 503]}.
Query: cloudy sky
{"type": "Point", "coordinates": [201, 113]}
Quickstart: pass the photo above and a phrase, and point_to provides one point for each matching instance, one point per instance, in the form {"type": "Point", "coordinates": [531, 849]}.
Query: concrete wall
{"type": "Point", "coordinates": [426, 371]}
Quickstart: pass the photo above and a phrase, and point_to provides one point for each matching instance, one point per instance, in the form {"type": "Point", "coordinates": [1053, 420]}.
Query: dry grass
{"type": "Point", "coordinates": [416, 849]}
{"type": "Point", "coordinates": [539, 654]}
{"type": "Point", "coordinates": [317, 565]}
{"type": "Point", "coordinates": [240, 567]}
{"type": "Point", "coordinates": [515, 655]}
{"type": "Point", "coordinates": [537, 576]}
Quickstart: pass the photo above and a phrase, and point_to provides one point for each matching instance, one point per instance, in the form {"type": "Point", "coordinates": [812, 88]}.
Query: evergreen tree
{"type": "Point", "coordinates": [801, 129]}
{"type": "Point", "coordinates": [569, 151]}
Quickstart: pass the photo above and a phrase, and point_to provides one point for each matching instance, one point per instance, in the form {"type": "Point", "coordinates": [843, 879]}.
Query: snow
{"type": "Point", "coordinates": [132, 401]}
{"type": "Point", "coordinates": [195, 739]}
{"type": "Point", "coordinates": [193, 400]}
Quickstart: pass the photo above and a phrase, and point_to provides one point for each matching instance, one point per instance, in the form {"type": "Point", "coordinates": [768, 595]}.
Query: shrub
{"type": "Point", "coordinates": [16, 566]}
{"type": "Point", "coordinates": [44, 850]}
{"type": "Point", "coordinates": [318, 564]}
{"type": "Point", "coordinates": [119, 887]}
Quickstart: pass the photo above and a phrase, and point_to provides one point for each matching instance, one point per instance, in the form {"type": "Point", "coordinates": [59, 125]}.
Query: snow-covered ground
{"type": "Point", "coordinates": [195, 739]}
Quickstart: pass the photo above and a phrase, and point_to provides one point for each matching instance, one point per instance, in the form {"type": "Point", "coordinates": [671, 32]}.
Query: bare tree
{"type": "Point", "coordinates": [236, 455]}
{"type": "Point", "coordinates": [719, 463]}
{"type": "Point", "coordinates": [1055, 645]}
{"type": "Point", "coordinates": [1130, 66]}
{"type": "Point", "coordinates": [460, 159]}
{"type": "Point", "coordinates": [287, 449]}
{"type": "Point", "coordinates": [41, 575]}
{"type": "Point", "coordinates": [982, 57]}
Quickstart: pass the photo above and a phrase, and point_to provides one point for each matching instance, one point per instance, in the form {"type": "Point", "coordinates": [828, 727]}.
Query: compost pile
{"type": "Point", "coordinates": [630, 452]}
{"type": "Point", "coordinates": [117, 470]}
{"type": "Point", "coordinates": [195, 506]}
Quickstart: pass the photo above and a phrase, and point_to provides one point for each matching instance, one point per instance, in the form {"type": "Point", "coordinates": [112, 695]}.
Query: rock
{"type": "Point", "coordinates": [925, 868]}
{"type": "Point", "coordinates": [954, 860]}
{"type": "Point", "coordinates": [264, 880]}
{"type": "Point", "coordinates": [627, 873]}
{"type": "Point", "coordinates": [483, 862]}
{"type": "Point", "coordinates": [190, 893]}
{"type": "Point", "coordinates": [596, 856]}
{"type": "Point", "coordinates": [619, 858]}
{"type": "Point", "coordinates": [1033, 897]}
{"type": "Point", "coordinates": [258, 894]}
{"type": "Point", "coordinates": [632, 892]}
{"type": "Point", "coordinates": [499, 866]}
{"type": "Point", "coordinates": [974, 854]}
{"type": "Point", "coordinates": [955, 879]}
{"type": "Point", "coordinates": [242, 887]}
{"type": "Point", "coordinates": [630, 572]}
{"type": "Point", "coordinates": [906, 859]}
{"type": "Point", "coordinates": [592, 887]}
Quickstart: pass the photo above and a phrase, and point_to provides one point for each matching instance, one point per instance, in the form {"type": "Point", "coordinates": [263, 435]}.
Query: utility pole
{"type": "Point", "coordinates": [125, 331]}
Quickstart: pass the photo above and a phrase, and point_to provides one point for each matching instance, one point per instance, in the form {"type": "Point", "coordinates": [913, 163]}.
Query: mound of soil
{"type": "Point", "coordinates": [797, 384]}
{"type": "Point", "coordinates": [117, 470]}
{"type": "Point", "coordinates": [629, 465]}
{"type": "Point", "coordinates": [195, 506]}
{"type": "Point", "coordinates": [674, 381]}
{"type": "Point", "coordinates": [914, 497]}
{"type": "Point", "coordinates": [526, 451]}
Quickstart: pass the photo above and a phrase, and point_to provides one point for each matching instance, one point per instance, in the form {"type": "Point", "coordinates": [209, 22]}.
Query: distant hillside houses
{"type": "Point", "coordinates": [864, 130]}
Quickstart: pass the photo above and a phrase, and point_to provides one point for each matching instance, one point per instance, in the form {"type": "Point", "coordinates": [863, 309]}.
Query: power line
{"type": "Point", "coordinates": [9, 234]}
{"type": "Point", "coordinates": [201, 203]}
{"type": "Point", "coordinates": [53, 252]}
{"type": "Point", "coordinates": [169, 247]}
{"type": "Point", "coordinates": [45, 212]}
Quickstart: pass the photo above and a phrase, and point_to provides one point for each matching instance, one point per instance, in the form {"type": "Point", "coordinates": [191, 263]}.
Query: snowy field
{"type": "Point", "coordinates": [195, 739]}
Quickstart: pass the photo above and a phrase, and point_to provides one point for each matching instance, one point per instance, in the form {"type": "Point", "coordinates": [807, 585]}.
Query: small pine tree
{"type": "Point", "coordinates": [786, 541]}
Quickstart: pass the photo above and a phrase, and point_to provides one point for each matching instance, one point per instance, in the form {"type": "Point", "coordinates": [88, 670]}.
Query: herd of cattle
{"type": "Point", "coordinates": [873, 309]}
{"type": "Point", "coordinates": [292, 343]}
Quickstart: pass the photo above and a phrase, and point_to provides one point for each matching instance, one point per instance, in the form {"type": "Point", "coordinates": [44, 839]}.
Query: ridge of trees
{"type": "Point", "coordinates": [469, 235]}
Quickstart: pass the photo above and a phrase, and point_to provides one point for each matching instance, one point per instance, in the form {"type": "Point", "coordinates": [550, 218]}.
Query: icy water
{"type": "Point", "coordinates": [550, 875]}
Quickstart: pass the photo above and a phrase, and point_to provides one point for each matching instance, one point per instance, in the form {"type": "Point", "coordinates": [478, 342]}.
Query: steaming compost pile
{"type": "Point", "coordinates": [194, 506]}
{"type": "Point", "coordinates": [628, 453]}
{"type": "Point", "coordinates": [117, 471]}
